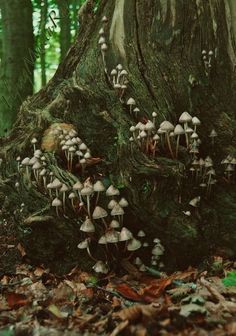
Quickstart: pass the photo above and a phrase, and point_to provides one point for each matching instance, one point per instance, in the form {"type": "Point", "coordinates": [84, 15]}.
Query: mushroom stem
{"type": "Point", "coordinates": [57, 211]}
{"type": "Point", "coordinates": [169, 145]}
{"type": "Point", "coordinates": [177, 146]}
{"type": "Point", "coordinates": [104, 222]}
{"type": "Point", "coordinates": [89, 253]}
{"type": "Point", "coordinates": [97, 198]}
{"type": "Point", "coordinates": [186, 135]}
{"type": "Point", "coordinates": [88, 205]}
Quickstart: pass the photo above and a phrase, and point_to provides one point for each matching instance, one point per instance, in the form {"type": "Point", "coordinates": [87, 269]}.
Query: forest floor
{"type": "Point", "coordinates": [33, 301]}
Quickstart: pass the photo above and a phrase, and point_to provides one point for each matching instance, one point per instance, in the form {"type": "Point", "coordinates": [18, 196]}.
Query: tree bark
{"type": "Point", "coordinates": [16, 78]}
{"type": "Point", "coordinates": [65, 26]}
{"type": "Point", "coordinates": [160, 44]}
{"type": "Point", "coordinates": [42, 41]}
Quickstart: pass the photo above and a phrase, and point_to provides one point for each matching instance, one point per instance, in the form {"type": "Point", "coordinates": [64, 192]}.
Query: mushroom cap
{"type": "Point", "coordinates": [100, 267]}
{"type": "Point", "coordinates": [143, 134]}
{"type": "Point", "coordinates": [104, 19]}
{"type": "Point", "coordinates": [136, 109]}
{"type": "Point", "coordinates": [167, 126]}
{"type": "Point", "coordinates": [158, 250]}
{"type": "Point", "coordinates": [33, 160]}
{"type": "Point", "coordinates": [43, 172]}
{"type": "Point", "coordinates": [141, 234]}
{"type": "Point", "coordinates": [134, 245]}
{"type": "Point", "coordinates": [156, 137]}
{"type": "Point", "coordinates": [112, 236]}
{"type": "Point", "coordinates": [102, 240]}
{"type": "Point", "coordinates": [37, 165]}
{"type": "Point", "coordinates": [112, 191]}
{"type": "Point", "coordinates": [154, 114]}
{"type": "Point", "coordinates": [189, 130]}
{"type": "Point", "coordinates": [104, 47]}
{"type": "Point", "coordinates": [113, 72]}
{"type": "Point", "coordinates": [125, 234]}
{"type": "Point", "coordinates": [37, 153]}
{"type": "Point", "coordinates": [185, 117]}
{"type": "Point", "coordinates": [196, 121]}
{"type": "Point", "coordinates": [117, 210]}
{"type": "Point", "coordinates": [64, 188]}
{"type": "Point", "coordinates": [99, 212]}
{"type": "Point", "coordinates": [101, 40]}
{"type": "Point", "coordinates": [72, 195]}
{"type": "Point", "coordinates": [195, 201]}
{"type": "Point", "coordinates": [83, 147]}
{"type": "Point", "coordinates": [56, 184]}
{"type": "Point", "coordinates": [34, 141]}
{"type": "Point", "coordinates": [123, 202]}
{"type": "Point", "coordinates": [114, 224]}
{"type": "Point", "coordinates": [86, 191]}
{"type": "Point", "coordinates": [119, 67]}
{"type": "Point", "coordinates": [178, 130]}
{"type": "Point", "coordinates": [124, 73]}
{"type": "Point", "coordinates": [98, 186]}
{"type": "Point", "coordinates": [149, 126]}
{"type": "Point", "coordinates": [87, 155]}
{"type": "Point", "coordinates": [56, 202]}
{"type": "Point", "coordinates": [194, 135]}
{"type": "Point", "coordinates": [111, 204]}
{"type": "Point", "coordinates": [78, 186]}
{"type": "Point", "coordinates": [132, 129]}
{"type": "Point", "coordinates": [213, 134]}
{"type": "Point", "coordinates": [87, 226]}
{"type": "Point", "coordinates": [83, 245]}
{"type": "Point", "coordinates": [138, 261]}
{"type": "Point", "coordinates": [131, 101]}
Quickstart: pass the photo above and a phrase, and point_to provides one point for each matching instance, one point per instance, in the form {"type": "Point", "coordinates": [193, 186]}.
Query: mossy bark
{"type": "Point", "coordinates": [160, 44]}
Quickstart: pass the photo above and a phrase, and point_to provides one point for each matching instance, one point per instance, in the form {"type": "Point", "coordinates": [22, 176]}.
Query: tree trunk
{"type": "Point", "coordinates": [65, 26]}
{"type": "Point", "coordinates": [16, 78]}
{"type": "Point", "coordinates": [42, 41]}
{"type": "Point", "coordinates": [160, 44]}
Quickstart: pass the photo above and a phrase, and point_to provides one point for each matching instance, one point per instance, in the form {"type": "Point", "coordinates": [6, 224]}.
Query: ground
{"type": "Point", "coordinates": [34, 301]}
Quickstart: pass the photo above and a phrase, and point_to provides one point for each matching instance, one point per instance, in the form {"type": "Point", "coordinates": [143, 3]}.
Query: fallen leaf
{"type": "Point", "coordinates": [187, 310]}
{"type": "Point", "coordinates": [15, 300]}
{"type": "Point", "coordinates": [126, 291]}
{"type": "Point", "coordinates": [56, 312]}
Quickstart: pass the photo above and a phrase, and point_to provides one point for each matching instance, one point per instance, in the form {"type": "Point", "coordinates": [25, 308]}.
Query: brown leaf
{"type": "Point", "coordinates": [21, 249]}
{"type": "Point", "coordinates": [15, 300]}
{"type": "Point", "coordinates": [128, 292]}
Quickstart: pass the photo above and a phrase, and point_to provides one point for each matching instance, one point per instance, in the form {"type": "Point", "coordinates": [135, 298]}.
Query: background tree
{"type": "Point", "coordinates": [16, 78]}
{"type": "Point", "coordinates": [160, 44]}
{"type": "Point", "coordinates": [65, 26]}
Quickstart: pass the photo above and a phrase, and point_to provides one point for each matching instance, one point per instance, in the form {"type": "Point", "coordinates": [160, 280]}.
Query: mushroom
{"type": "Point", "coordinates": [63, 190]}
{"type": "Point", "coordinates": [87, 191]}
{"type": "Point", "coordinates": [56, 203]}
{"type": "Point", "coordinates": [154, 115]}
{"type": "Point", "coordinates": [123, 203]}
{"type": "Point", "coordinates": [178, 131]}
{"type": "Point", "coordinates": [111, 204]}
{"type": "Point", "coordinates": [196, 122]}
{"type": "Point", "coordinates": [34, 141]}
{"type": "Point", "coordinates": [26, 164]}
{"type": "Point", "coordinates": [195, 202]}
{"type": "Point", "coordinates": [78, 186]}
{"type": "Point", "coordinates": [118, 211]}
{"type": "Point", "coordinates": [87, 226]}
{"type": "Point", "coordinates": [104, 19]}
{"type": "Point", "coordinates": [114, 74]}
{"type": "Point", "coordinates": [141, 234]}
{"type": "Point", "coordinates": [125, 234]}
{"type": "Point", "coordinates": [167, 127]}
{"type": "Point", "coordinates": [213, 135]}
{"type": "Point", "coordinates": [136, 111]}
{"type": "Point", "coordinates": [36, 167]}
{"type": "Point", "coordinates": [114, 224]}
{"type": "Point", "coordinates": [98, 188]}
{"type": "Point", "coordinates": [185, 118]}
{"type": "Point", "coordinates": [72, 196]}
{"type": "Point", "coordinates": [112, 191]}
{"type": "Point", "coordinates": [112, 236]}
{"type": "Point", "coordinates": [100, 267]}
{"type": "Point", "coordinates": [131, 102]}
{"type": "Point", "coordinates": [134, 245]}
{"type": "Point", "coordinates": [100, 213]}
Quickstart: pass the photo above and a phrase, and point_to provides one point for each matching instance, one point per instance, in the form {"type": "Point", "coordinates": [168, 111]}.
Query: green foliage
{"type": "Point", "coordinates": [230, 280]}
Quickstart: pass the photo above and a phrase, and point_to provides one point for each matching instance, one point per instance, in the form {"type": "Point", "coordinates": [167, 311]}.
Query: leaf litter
{"type": "Point", "coordinates": [33, 301]}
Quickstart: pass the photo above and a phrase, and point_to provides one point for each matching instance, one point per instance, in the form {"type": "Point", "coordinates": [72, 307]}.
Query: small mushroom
{"type": "Point", "coordinates": [98, 188]}
{"type": "Point", "coordinates": [87, 192]}
{"type": "Point", "coordinates": [100, 267]}
{"type": "Point", "coordinates": [178, 131]}
{"type": "Point", "coordinates": [87, 226]}
{"type": "Point", "coordinates": [100, 213]}
{"type": "Point", "coordinates": [131, 102]}
{"type": "Point", "coordinates": [57, 204]}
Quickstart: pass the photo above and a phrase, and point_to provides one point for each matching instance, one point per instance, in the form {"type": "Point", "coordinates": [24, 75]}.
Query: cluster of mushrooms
{"type": "Point", "coordinates": [104, 226]}
{"type": "Point", "coordinates": [102, 41]}
{"type": "Point", "coordinates": [119, 79]}
{"type": "Point", "coordinates": [229, 164]}
{"type": "Point", "coordinates": [74, 149]}
{"type": "Point", "coordinates": [151, 138]}
{"type": "Point", "coordinates": [207, 60]}
{"type": "Point", "coordinates": [101, 210]}
{"type": "Point", "coordinates": [204, 173]}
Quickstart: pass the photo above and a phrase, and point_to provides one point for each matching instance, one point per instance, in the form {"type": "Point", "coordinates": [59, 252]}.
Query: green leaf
{"type": "Point", "coordinates": [230, 280]}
